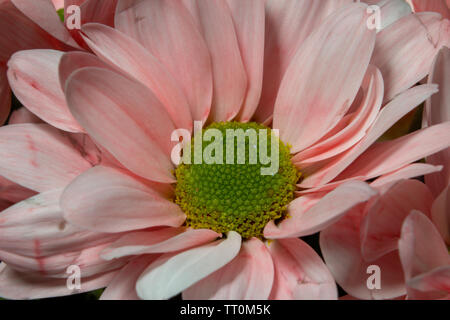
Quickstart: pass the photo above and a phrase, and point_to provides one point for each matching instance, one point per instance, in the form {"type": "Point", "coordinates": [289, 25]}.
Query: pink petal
{"type": "Point", "coordinates": [439, 6]}
{"type": "Point", "coordinates": [300, 273]}
{"type": "Point", "coordinates": [172, 274]}
{"type": "Point", "coordinates": [437, 110]}
{"type": "Point", "coordinates": [101, 11]}
{"type": "Point", "coordinates": [33, 76]}
{"type": "Point", "coordinates": [391, 11]}
{"type": "Point", "coordinates": [43, 13]}
{"type": "Point", "coordinates": [410, 171]}
{"type": "Point", "coordinates": [306, 110]}
{"type": "Point", "coordinates": [440, 214]}
{"type": "Point", "coordinates": [15, 285]}
{"type": "Point", "coordinates": [362, 119]}
{"type": "Point", "coordinates": [125, 118]}
{"type": "Point", "coordinates": [213, 18]}
{"type": "Point", "coordinates": [36, 228]}
{"type": "Point", "coordinates": [167, 30]}
{"type": "Point", "coordinates": [381, 226]}
{"type": "Point", "coordinates": [432, 285]}
{"type": "Point", "coordinates": [5, 97]}
{"type": "Point", "coordinates": [159, 241]}
{"type": "Point", "coordinates": [249, 276]}
{"type": "Point", "coordinates": [401, 66]}
{"type": "Point", "coordinates": [39, 157]}
{"type": "Point", "coordinates": [329, 209]}
{"type": "Point", "coordinates": [123, 286]}
{"type": "Point", "coordinates": [387, 117]}
{"type": "Point", "coordinates": [13, 192]}
{"type": "Point", "coordinates": [341, 250]}
{"type": "Point", "coordinates": [110, 200]}
{"type": "Point", "coordinates": [74, 60]}
{"type": "Point", "coordinates": [288, 24]}
{"type": "Point", "coordinates": [249, 22]}
{"type": "Point", "coordinates": [129, 56]}
{"type": "Point", "coordinates": [394, 154]}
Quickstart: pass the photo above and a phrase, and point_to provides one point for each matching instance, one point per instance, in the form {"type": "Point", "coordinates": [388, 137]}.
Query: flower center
{"type": "Point", "coordinates": [238, 186]}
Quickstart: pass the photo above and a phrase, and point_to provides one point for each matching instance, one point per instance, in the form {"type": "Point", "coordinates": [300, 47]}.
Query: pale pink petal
{"type": "Point", "coordinates": [341, 250]}
{"type": "Point", "coordinates": [422, 251]}
{"type": "Point", "coordinates": [440, 214]}
{"type": "Point", "coordinates": [124, 117]}
{"type": "Point", "coordinates": [440, 6]}
{"type": "Point", "coordinates": [437, 110]}
{"type": "Point", "coordinates": [16, 285]}
{"type": "Point", "coordinates": [388, 116]}
{"type": "Point", "coordinates": [357, 127]}
{"type": "Point", "coordinates": [249, 22]}
{"type": "Point", "coordinates": [172, 274]}
{"type": "Point", "coordinates": [300, 273]}
{"type": "Point", "coordinates": [33, 76]}
{"type": "Point", "coordinates": [43, 13]}
{"type": "Point", "coordinates": [391, 155]}
{"type": "Point", "coordinates": [167, 30]}
{"type": "Point", "coordinates": [74, 60]}
{"type": "Point", "coordinates": [391, 11]}
{"type": "Point", "coordinates": [58, 4]}
{"type": "Point", "coordinates": [35, 227]}
{"type": "Point", "coordinates": [110, 200]}
{"type": "Point", "coordinates": [381, 226]}
{"type": "Point", "coordinates": [39, 157]}
{"type": "Point", "coordinates": [410, 171]}
{"type": "Point", "coordinates": [5, 97]}
{"type": "Point", "coordinates": [249, 276]}
{"type": "Point", "coordinates": [123, 286]}
{"type": "Point", "coordinates": [303, 222]}
{"type": "Point", "coordinates": [404, 51]}
{"type": "Point", "coordinates": [129, 56]}
{"type": "Point", "coordinates": [159, 241]}
{"type": "Point", "coordinates": [432, 285]}
{"type": "Point", "coordinates": [213, 18]}
{"type": "Point", "coordinates": [334, 69]}
{"type": "Point", "coordinates": [288, 24]}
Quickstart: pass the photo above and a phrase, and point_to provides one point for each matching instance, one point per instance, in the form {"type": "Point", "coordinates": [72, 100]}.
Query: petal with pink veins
{"type": "Point", "coordinates": [408, 172]}
{"type": "Point", "coordinates": [215, 23]}
{"type": "Point", "coordinates": [401, 66]}
{"type": "Point", "coordinates": [20, 286]}
{"type": "Point", "coordinates": [303, 221]}
{"type": "Point", "coordinates": [288, 24]}
{"type": "Point", "coordinates": [167, 30]}
{"type": "Point", "coordinates": [437, 110]}
{"type": "Point", "coordinates": [43, 13]}
{"type": "Point", "coordinates": [124, 53]}
{"type": "Point", "coordinates": [39, 157]}
{"type": "Point", "coordinates": [249, 22]}
{"type": "Point", "coordinates": [324, 77]}
{"type": "Point", "coordinates": [123, 286]}
{"type": "Point", "coordinates": [33, 77]}
{"type": "Point", "coordinates": [424, 257]}
{"type": "Point", "coordinates": [387, 117]}
{"type": "Point", "coordinates": [340, 246]}
{"type": "Point", "coordinates": [300, 273]}
{"type": "Point", "coordinates": [171, 274]}
{"type": "Point", "coordinates": [111, 200]}
{"type": "Point", "coordinates": [381, 226]}
{"type": "Point", "coordinates": [124, 117]}
{"type": "Point", "coordinates": [249, 276]}
{"type": "Point", "coordinates": [159, 241]}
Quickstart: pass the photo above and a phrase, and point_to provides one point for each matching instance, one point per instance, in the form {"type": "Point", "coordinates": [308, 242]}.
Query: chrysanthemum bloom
{"type": "Point", "coordinates": [26, 24]}
{"type": "Point", "coordinates": [330, 84]}
{"type": "Point", "coordinates": [418, 265]}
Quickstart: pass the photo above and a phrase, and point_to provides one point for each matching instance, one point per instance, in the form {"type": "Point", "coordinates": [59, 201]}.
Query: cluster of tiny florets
{"type": "Point", "coordinates": [235, 197]}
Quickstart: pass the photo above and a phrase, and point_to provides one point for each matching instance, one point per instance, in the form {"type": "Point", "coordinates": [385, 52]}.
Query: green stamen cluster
{"type": "Point", "coordinates": [236, 197]}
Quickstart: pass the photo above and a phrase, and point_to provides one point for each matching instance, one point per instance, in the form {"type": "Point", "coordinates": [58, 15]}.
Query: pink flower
{"type": "Point", "coordinates": [395, 230]}
{"type": "Point", "coordinates": [328, 82]}
{"type": "Point", "coordinates": [28, 24]}
{"type": "Point", "coordinates": [439, 6]}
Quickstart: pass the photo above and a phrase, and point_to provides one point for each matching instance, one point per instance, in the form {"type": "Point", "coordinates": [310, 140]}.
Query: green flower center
{"type": "Point", "coordinates": [235, 189]}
